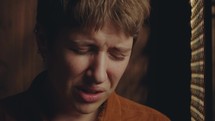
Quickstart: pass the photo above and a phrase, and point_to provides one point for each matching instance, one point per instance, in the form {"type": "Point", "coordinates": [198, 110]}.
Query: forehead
{"type": "Point", "coordinates": [107, 32]}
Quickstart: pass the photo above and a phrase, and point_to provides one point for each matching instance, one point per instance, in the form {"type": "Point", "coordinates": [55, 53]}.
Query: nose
{"type": "Point", "coordinates": [98, 68]}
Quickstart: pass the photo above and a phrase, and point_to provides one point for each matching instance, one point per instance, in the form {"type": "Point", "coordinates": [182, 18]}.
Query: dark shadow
{"type": "Point", "coordinates": [169, 52]}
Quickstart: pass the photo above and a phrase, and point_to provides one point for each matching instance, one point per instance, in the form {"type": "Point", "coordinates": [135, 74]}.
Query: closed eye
{"type": "Point", "coordinates": [82, 49]}
{"type": "Point", "coordinates": [117, 57]}
{"type": "Point", "coordinates": [118, 54]}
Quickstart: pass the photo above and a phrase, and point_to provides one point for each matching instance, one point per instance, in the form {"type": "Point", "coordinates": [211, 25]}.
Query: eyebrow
{"type": "Point", "coordinates": [79, 42]}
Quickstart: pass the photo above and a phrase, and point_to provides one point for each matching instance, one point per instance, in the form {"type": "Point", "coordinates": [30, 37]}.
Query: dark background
{"type": "Point", "coordinates": [169, 53]}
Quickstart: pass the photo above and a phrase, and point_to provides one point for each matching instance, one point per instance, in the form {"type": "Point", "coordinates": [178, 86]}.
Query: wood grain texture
{"type": "Point", "coordinates": [198, 39]}
{"type": "Point", "coordinates": [19, 61]}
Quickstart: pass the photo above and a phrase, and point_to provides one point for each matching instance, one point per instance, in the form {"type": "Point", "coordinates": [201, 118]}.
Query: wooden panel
{"type": "Point", "coordinates": [198, 61]}
{"type": "Point", "coordinates": [201, 82]}
{"type": "Point", "coordinates": [19, 61]}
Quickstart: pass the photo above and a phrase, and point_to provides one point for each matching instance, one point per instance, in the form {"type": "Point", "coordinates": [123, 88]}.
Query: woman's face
{"type": "Point", "coordinates": [86, 66]}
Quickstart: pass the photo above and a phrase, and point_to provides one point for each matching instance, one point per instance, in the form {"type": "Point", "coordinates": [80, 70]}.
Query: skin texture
{"type": "Point", "coordinates": [85, 67]}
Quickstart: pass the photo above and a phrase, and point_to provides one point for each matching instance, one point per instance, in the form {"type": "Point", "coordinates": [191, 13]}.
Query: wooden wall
{"type": "Point", "coordinates": [19, 61]}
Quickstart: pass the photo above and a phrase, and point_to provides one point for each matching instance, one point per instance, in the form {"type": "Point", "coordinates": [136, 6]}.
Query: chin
{"type": "Point", "coordinates": [87, 108]}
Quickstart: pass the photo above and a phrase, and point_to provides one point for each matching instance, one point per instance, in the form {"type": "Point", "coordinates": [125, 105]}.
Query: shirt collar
{"type": "Point", "coordinates": [112, 109]}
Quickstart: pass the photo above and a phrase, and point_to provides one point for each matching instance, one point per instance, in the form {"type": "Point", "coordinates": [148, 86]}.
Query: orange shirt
{"type": "Point", "coordinates": [122, 109]}
{"type": "Point", "coordinates": [24, 108]}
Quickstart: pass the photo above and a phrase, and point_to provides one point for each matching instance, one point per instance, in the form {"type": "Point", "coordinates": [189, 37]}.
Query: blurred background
{"type": "Point", "coordinates": [158, 75]}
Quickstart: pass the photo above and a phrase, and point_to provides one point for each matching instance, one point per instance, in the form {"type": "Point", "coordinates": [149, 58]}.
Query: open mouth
{"type": "Point", "coordinates": [89, 94]}
{"type": "Point", "coordinates": [90, 91]}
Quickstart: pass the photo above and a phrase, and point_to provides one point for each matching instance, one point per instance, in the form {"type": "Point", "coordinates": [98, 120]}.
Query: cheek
{"type": "Point", "coordinates": [73, 70]}
{"type": "Point", "coordinates": [76, 65]}
{"type": "Point", "coordinates": [116, 71]}
{"type": "Point", "coordinates": [67, 66]}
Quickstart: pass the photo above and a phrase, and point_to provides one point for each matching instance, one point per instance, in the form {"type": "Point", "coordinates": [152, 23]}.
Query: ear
{"type": "Point", "coordinates": [41, 39]}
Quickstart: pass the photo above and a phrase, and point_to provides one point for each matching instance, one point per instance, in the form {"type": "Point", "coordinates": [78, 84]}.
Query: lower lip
{"type": "Point", "coordinates": [89, 97]}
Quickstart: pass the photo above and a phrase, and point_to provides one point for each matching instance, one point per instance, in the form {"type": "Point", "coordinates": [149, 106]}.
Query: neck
{"type": "Point", "coordinates": [75, 117]}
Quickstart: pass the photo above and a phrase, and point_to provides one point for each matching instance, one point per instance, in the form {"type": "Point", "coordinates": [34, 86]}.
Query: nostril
{"type": "Point", "coordinates": [95, 76]}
